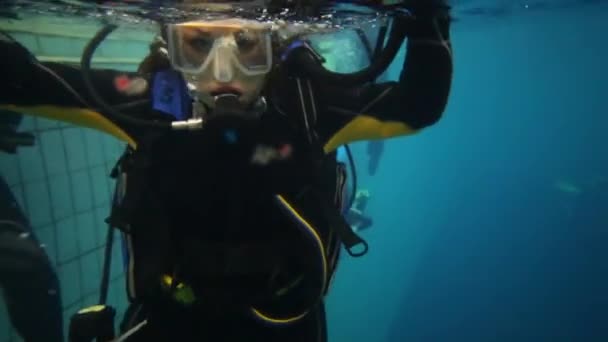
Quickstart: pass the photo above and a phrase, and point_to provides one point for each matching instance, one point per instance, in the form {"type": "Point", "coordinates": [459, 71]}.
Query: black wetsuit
{"type": "Point", "coordinates": [204, 190]}
{"type": "Point", "coordinates": [27, 278]}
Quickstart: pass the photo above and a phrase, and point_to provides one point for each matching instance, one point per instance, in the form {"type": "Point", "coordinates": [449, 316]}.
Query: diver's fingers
{"type": "Point", "coordinates": [9, 142]}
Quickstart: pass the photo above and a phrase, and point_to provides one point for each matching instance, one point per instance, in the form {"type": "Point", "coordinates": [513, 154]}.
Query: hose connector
{"type": "Point", "coordinates": [190, 124]}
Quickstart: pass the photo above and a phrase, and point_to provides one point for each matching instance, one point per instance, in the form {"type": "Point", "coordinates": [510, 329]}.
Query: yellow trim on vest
{"type": "Point", "coordinates": [94, 308]}
{"type": "Point", "coordinates": [312, 231]}
{"type": "Point", "coordinates": [319, 242]}
{"type": "Point", "coordinates": [78, 116]}
{"type": "Point", "coordinates": [365, 127]}
{"type": "Point", "coordinates": [277, 320]}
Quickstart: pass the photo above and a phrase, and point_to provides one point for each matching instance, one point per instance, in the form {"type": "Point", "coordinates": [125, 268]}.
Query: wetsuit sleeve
{"type": "Point", "coordinates": [58, 92]}
{"type": "Point", "coordinates": [384, 110]}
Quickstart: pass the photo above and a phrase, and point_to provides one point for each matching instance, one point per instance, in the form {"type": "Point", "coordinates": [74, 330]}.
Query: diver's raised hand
{"type": "Point", "coordinates": [431, 19]}
{"type": "Point", "coordinates": [10, 139]}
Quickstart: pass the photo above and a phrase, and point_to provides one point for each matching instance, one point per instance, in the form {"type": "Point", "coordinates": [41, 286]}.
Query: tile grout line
{"type": "Point", "coordinates": [87, 167]}
{"type": "Point", "coordinates": [79, 229]}
{"type": "Point", "coordinates": [83, 254]}
{"type": "Point", "coordinates": [80, 212]}
{"type": "Point", "coordinates": [50, 199]}
{"type": "Point", "coordinates": [54, 219]}
{"type": "Point", "coordinates": [73, 208]}
{"type": "Point", "coordinates": [93, 204]}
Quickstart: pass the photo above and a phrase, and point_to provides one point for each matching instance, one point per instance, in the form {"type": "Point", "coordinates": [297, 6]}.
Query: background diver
{"type": "Point", "coordinates": [231, 193]}
{"type": "Point", "coordinates": [355, 216]}
{"type": "Point", "coordinates": [355, 200]}
{"type": "Point", "coordinates": [375, 149]}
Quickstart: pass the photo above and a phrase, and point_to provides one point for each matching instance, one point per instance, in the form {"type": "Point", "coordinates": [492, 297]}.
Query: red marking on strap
{"type": "Point", "coordinates": [122, 82]}
{"type": "Point", "coordinates": [285, 150]}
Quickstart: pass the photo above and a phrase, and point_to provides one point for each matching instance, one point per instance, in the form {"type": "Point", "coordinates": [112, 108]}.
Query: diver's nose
{"type": "Point", "coordinates": [222, 69]}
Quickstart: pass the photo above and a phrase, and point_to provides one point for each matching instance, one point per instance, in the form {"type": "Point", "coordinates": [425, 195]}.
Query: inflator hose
{"type": "Point", "coordinates": [85, 64]}
{"type": "Point", "coordinates": [303, 59]}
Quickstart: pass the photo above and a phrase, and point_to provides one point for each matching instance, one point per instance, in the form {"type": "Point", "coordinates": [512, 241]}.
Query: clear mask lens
{"type": "Point", "coordinates": [196, 48]}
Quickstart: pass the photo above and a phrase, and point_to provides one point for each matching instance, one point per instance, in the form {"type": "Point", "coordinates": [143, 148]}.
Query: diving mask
{"type": "Point", "coordinates": [221, 48]}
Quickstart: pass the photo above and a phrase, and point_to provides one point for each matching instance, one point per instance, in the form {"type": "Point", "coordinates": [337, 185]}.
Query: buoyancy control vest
{"type": "Point", "coordinates": [175, 220]}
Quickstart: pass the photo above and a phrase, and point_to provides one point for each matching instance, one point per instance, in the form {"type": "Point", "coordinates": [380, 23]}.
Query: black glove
{"type": "Point", "coordinates": [10, 139]}
{"type": "Point", "coordinates": [431, 19]}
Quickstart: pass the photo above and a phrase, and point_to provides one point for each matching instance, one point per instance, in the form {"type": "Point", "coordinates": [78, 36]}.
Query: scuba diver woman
{"type": "Point", "coordinates": [231, 206]}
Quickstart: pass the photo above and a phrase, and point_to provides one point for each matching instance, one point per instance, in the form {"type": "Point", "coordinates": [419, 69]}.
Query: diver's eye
{"type": "Point", "coordinates": [246, 41]}
{"type": "Point", "coordinates": [201, 44]}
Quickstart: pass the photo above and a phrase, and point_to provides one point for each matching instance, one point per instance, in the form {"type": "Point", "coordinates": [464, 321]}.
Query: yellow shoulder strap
{"type": "Point", "coordinates": [78, 116]}
{"type": "Point", "coordinates": [365, 127]}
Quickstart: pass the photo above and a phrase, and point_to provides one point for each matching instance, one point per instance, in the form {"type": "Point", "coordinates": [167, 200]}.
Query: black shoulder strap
{"type": "Point", "coordinates": [338, 223]}
{"type": "Point", "coordinates": [307, 107]}
{"type": "Point", "coordinates": [130, 163]}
